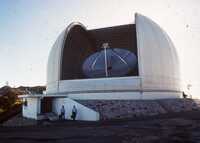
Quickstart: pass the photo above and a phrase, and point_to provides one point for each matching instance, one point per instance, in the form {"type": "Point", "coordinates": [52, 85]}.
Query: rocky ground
{"type": "Point", "coordinates": [120, 109]}
{"type": "Point", "coordinates": [183, 127]}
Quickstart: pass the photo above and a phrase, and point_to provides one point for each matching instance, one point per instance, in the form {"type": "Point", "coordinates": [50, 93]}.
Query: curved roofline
{"type": "Point", "coordinates": [168, 76]}
{"type": "Point", "coordinates": [67, 31]}
{"type": "Point", "coordinates": [152, 73]}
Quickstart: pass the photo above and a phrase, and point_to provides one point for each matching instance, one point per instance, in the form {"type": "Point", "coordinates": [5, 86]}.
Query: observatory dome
{"type": "Point", "coordinates": [140, 58]}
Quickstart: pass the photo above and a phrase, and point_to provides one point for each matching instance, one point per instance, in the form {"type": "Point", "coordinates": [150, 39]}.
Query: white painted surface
{"type": "Point", "coordinates": [101, 84]}
{"type": "Point", "coordinates": [52, 87]}
{"type": "Point", "coordinates": [126, 96]}
{"type": "Point", "coordinates": [158, 60]}
{"type": "Point", "coordinates": [31, 95]}
{"type": "Point", "coordinates": [107, 96]}
{"type": "Point", "coordinates": [54, 60]}
{"type": "Point", "coordinates": [32, 109]}
{"type": "Point", "coordinates": [160, 95]}
{"type": "Point", "coordinates": [53, 66]}
{"type": "Point", "coordinates": [84, 113]}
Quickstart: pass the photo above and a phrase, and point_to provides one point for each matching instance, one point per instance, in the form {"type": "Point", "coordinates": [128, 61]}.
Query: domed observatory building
{"type": "Point", "coordinates": [127, 62]}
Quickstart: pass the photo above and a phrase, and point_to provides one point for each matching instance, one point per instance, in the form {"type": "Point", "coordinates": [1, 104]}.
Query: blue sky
{"type": "Point", "coordinates": [28, 29]}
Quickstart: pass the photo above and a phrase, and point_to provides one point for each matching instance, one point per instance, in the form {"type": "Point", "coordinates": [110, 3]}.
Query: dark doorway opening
{"type": "Point", "coordinates": [46, 105]}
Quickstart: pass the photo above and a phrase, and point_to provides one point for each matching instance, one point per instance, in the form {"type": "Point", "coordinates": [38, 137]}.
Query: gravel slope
{"type": "Point", "coordinates": [181, 127]}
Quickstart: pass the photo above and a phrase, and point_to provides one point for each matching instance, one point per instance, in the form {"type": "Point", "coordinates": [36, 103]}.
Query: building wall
{"type": "Point", "coordinates": [53, 65]}
{"type": "Point", "coordinates": [84, 113]}
{"type": "Point", "coordinates": [107, 96]}
{"type": "Point", "coordinates": [32, 109]}
{"type": "Point", "coordinates": [161, 95]}
{"type": "Point", "coordinates": [122, 36]}
{"type": "Point", "coordinates": [125, 95]}
{"type": "Point", "coordinates": [121, 109]}
{"type": "Point", "coordinates": [158, 60]}
{"type": "Point", "coordinates": [157, 57]}
{"type": "Point", "coordinates": [101, 84]}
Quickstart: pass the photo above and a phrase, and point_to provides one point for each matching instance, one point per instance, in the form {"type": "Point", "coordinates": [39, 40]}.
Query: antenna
{"type": "Point", "coordinates": [109, 62]}
{"type": "Point", "coordinates": [105, 46]}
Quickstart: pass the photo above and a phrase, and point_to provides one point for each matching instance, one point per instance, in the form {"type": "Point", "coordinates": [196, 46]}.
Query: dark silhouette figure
{"type": "Point", "coordinates": [62, 113]}
{"type": "Point", "coordinates": [74, 113]}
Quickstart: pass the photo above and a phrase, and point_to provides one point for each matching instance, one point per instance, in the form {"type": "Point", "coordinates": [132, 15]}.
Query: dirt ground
{"type": "Point", "coordinates": [169, 128]}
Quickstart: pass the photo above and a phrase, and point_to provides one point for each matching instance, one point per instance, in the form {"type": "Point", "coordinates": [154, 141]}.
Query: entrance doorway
{"type": "Point", "coordinates": [46, 105]}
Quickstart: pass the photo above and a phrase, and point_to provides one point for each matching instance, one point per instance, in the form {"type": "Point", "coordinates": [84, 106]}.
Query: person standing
{"type": "Point", "coordinates": [74, 113]}
{"type": "Point", "coordinates": [62, 112]}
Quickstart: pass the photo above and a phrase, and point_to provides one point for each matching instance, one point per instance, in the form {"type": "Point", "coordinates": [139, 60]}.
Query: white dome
{"type": "Point", "coordinates": [158, 59]}
{"type": "Point", "coordinates": [158, 64]}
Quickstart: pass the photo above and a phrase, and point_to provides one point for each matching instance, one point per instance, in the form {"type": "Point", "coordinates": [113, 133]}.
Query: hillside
{"type": "Point", "coordinates": [10, 104]}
